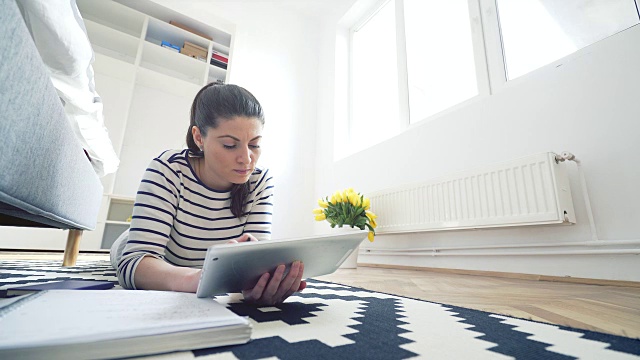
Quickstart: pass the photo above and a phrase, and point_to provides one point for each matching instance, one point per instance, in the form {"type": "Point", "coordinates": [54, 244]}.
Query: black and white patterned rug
{"type": "Point", "coordinates": [332, 321]}
{"type": "Point", "coordinates": [14, 273]}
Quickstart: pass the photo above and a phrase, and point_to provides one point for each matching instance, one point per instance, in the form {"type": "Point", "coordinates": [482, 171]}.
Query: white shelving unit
{"type": "Point", "coordinates": [126, 37]}
{"type": "Point", "coordinates": [112, 42]}
{"type": "Point", "coordinates": [173, 64]}
{"type": "Point", "coordinates": [120, 32]}
{"type": "Point", "coordinates": [118, 219]}
{"type": "Point", "coordinates": [113, 16]}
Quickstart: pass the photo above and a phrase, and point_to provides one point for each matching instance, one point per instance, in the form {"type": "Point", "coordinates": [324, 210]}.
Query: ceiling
{"type": "Point", "coordinates": [315, 8]}
{"type": "Point", "coordinates": [312, 8]}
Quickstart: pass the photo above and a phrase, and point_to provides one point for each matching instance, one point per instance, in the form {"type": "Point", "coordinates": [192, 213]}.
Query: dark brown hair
{"type": "Point", "coordinates": [215, 103]}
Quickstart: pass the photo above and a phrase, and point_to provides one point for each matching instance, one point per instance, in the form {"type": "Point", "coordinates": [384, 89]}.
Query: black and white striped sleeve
{"type": "Point", "coordinates": [153, 214]}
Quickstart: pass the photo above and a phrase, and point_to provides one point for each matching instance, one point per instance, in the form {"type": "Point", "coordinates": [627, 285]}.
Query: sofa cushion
{"type": "Point", "coordinates": [45, 175]}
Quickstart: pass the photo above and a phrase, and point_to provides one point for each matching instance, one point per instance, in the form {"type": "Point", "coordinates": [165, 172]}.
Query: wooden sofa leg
{"type": "Point", "coordinates": [73, 247]}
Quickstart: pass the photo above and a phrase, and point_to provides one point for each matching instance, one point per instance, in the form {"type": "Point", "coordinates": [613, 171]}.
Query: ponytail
{"type": "Point", "coordinates": [191, 143]}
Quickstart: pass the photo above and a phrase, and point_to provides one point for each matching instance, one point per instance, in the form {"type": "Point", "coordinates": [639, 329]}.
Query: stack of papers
{"type": "Point", "coordinates": [98, 324]}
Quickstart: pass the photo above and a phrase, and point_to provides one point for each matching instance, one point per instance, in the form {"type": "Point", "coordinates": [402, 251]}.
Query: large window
{"type": "Point", "coordinates": [537, 32]}
{"type": "Point", "coordinates": [412, 59]}
{"type": "Point", "coordinates": [440, 62]}
{"type": "Point", "coordinates": [374, 79]}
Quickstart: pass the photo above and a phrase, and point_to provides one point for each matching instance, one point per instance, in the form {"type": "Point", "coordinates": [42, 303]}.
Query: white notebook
{"type": "Point", "coordinates": [97, 324]}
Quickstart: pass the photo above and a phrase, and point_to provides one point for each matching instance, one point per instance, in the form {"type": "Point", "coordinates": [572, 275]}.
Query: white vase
{"type": "Point", "coordinates": [351, 261]}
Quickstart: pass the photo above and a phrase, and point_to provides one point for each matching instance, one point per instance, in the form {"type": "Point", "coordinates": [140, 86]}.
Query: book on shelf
{"type": "Point", "coordinates": [219, 56]}
{"type": "Point", "coordinates": [195, 48]}
{"type": "Point", "coordinates": [194, 55]}
{"type": "Point", "coordinates": [217, 63]}
{"type": "Point", "coordinates": [61, 285]}
{"type": "Point", "coordinates": [168, 45]}
{"type": "Point", "coordinates": [100, 324]}
{"type": "Point", "coordinates": [194, 51]}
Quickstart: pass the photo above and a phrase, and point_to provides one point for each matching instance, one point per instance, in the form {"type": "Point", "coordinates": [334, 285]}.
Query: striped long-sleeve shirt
{"type": "Point", "coordinates": [176, 217]}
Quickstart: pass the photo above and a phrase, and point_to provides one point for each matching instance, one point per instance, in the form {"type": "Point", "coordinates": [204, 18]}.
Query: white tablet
{"type": "Point", "coordinates": [231, 268]}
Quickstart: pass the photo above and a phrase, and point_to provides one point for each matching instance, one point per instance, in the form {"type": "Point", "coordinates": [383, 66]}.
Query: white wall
{"type": "Point", "coordinates": [590, 106]}
{"type": "Point", "coordinates": [158, 120]}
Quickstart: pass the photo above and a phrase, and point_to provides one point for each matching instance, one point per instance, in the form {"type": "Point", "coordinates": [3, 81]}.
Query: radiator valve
{"type": "Point", "coordinates": [565, 155]}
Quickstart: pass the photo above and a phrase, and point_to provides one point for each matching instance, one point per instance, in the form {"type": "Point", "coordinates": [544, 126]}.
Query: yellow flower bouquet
{"type": "Point", "coordinates": [347, 208]}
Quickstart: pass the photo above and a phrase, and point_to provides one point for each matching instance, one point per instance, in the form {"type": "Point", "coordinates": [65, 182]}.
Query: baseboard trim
{"type": "Point", "coordinates": [565, 279]}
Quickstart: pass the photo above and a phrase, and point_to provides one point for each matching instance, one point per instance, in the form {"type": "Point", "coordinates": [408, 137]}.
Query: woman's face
{"type": "Point", "coordinates": [231, 151]}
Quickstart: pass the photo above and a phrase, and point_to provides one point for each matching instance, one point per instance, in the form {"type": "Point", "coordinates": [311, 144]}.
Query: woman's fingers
{"type": "Point", "coordinates": [275, 289]}
{"type": "Point", "coordinates": [269, 294]}
{"type": "Point", "coordinates": [288, 282]}
{"type": "Point", "coordinates": [256, 293]}
{"type": "Point", "coordinates": [245, 237]}
{"type": "Point", "coordinates": [295, 284]}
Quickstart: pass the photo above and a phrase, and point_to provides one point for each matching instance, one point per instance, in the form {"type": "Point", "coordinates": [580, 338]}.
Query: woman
{"type": "Point", "coordinates": [210, 193]}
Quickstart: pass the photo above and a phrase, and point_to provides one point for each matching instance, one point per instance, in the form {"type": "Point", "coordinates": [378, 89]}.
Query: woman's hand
{"type": "Point", "coordinates": [243, 238]}
{"type": "Point", "coordinates": [279, 287]}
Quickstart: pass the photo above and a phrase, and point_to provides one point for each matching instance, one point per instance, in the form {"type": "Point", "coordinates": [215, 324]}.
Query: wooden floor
{"type": "Point", "coordinates": [609, 309]}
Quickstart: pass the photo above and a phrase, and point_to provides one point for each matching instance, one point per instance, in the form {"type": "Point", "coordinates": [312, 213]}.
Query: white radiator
{"type": "Point", "coordinates": [527, 191]}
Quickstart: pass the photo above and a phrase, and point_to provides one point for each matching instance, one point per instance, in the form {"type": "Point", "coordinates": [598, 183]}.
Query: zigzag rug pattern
{"type": "Point", "coordinates": [330, 321]}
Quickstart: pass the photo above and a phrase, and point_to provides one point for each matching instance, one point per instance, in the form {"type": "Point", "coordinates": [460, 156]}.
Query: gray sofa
{"type": "Point", "coordinates": [46, 179]}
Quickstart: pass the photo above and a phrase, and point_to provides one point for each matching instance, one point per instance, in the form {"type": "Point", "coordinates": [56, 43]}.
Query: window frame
{"type": "Point", "coordinates": [370, 11]}
{"type": "Point", "coordinates": [496, 57]}
{"type": "Point", "coordinates": [371, 8]}
{"type": "Point", "coordinates": [489, 56]}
